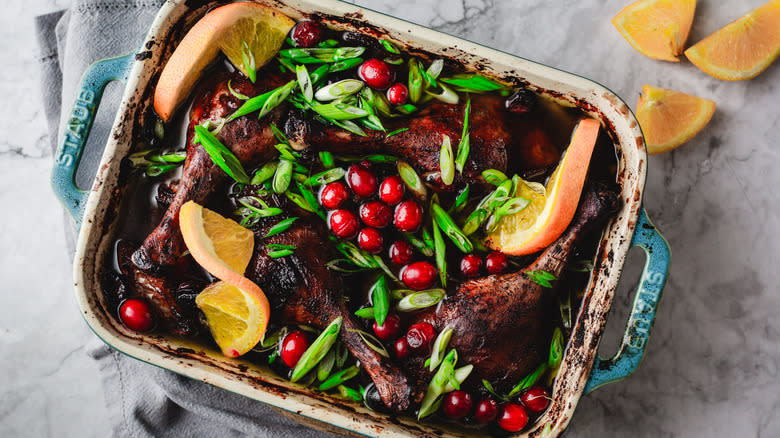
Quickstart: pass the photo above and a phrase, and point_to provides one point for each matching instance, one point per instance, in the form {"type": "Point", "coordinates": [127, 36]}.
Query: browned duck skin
{"type": "Point", "coordinates": [302, 290]}
{"type": "Point", "coordinates": [501, 323]}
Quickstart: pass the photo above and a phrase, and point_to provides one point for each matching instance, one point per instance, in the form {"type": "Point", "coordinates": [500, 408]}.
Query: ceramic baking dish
{"type": "Point", "coordinates": [95, 212]}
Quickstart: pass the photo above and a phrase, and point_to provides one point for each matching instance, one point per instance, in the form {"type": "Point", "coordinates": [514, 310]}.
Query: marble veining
{"type": "Point", "coordinates": [712, 364]}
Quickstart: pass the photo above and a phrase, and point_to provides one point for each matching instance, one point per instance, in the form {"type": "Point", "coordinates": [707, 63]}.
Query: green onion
{"type": "Point", "coordinates": [159, 169]}
{"type": "Point", "coordinates": [336, 265]}
{"type": "Point", "coordinates": [349, 126]}
{"type": "Point", "coordinates": [434, 70]}
{"type": "Point", "coordinates": [270, 342]}
{"type": "Point", "coordinates": [339, 378]}
{"type": "Point", "coordinates": [461, 374]}
{"type": "Point", "coordinates": [272, 357]}
{"type": "Point", "coordinates": [439, 346]}
{"type": "Point", "coordinates": [328, 43]}
{"type": "Point", "coordinates": [446, 224]}
{"type": "Point", "coordinates": [299, 200]}
{"type": "Point", "coordinates": [446, 163]}
{"type": "Point", "coordinates": [282, 176]}
{"type": "Point", "coordinates": [326, 365]}
{"type": "Point", "coordinates": [473, 83]}
{"type": "Point", "coordinates": [349, 393]}
{"type": "Point", "coordinates": [397, 131]}
{"type": "Point", "coordinates": [326, 177]}
{"type": "Point", "coordinates": [374, 158]}
{"type": "Point", "coordinates": [494, 176]}
{"type": "Point", "coordinates": [345, 87]}
{"type": "Point", "coordinates": [509, 207]}
{"type": "Point", "coordinates": [415, 81]}
{"type": "Point", "coordinates": [159, 127]}
{"type": "Point", "coordinates": [419, 244]}
{"type": "Point", "coordinates": [221, 155]}
{"type": "Point", "coordinates": [311, 200]}
{"type": "Point", "coordinates": [280, 227]}
{"type": "Point", "coordinates": [529, 380]}
{"type": "Point", "coordinates": [339, 111]}
{"type": "Point", "coordinates": [412, 180]}
{"type": "Point", "coordinates": [474, 220]}
{"type": "Point", "coordinates": [460, 200]}
{"type": "Point", "coordinates": [440, 249]}
{"type": "Point", "coordinates": [280, 137]}
{"type": "Point", "coordinates": [380, 297]}
{"type": "Point", "coordinates": [542, 278]}
{"type": "Point", "coordinates": [304, 82]}
{"type": "Point", "coordinates": [556, 349]}
{"type": "Point", "coordinates": [390, 47]}
{"type": "Point", "coordinates": [287, 153]}
{"type": "Point", "coordinates": [490, 389]}
{"type": "Point", "coordinates": [317, 351]}
{"type": "Point", "coordinates": [275, 254]}
{"type": "Point", "coordinates": [437, 386]}
{"type": "Point", "coordinates": [394, 61]}
{"type": "Point", "coordinates": [445, 94]}
{"type": "Point", "coordinates": [381, 265]}
{"type": "Point", "coordinates": [342, 354]}
{"type": "Point", "coordinates": [277, 96]}
{"type": "Point", "coordinates": [280, 246]}
{"type": "Point", "coordinates": [372, 342]}
{"type": "Point", "coordinates": [266, 211]}
{"type": "Point", "coordinates": [173, 157]}
{"type": "Point", "coordinates": [356, 255]}
{"type": "Point", "coordinates": [319, 74]}
{"type": "Point", "coordinates": [382, 105]}
{"type": "Point", "coordinates": [264, 173]}
{"type": "Point", "coordinates": [427, 238]}
{"type": "Point", "coordinates": [420, 300]}
{"type": "Point", "coordinates": [259, 102]}
{"type": "Point", "coordinates": [344, 65]}
{"type": "Point", "coordinates": [248, 59]}
{"type": "Point", "coordinates": [464, 145]}
{"type": "Point", "coordinates": [406, 108]}
{"type": "Point", "coordinates": [365, 313]}
{"type": "Point", "coordinates": [313, 55]}
{"type": "Point", "coordinates": [236, 94]}
{"type": "Point", "coordinates": [327, 159]}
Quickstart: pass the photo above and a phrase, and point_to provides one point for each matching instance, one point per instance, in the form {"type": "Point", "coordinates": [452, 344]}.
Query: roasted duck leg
{"type": "Point", "coordinates": [501, 323]}
{"type": "Point", "coordinates": [302, 290]}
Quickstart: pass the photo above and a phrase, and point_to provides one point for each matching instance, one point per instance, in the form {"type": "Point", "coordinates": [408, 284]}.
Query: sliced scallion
{"type": "Point", "coordinates": [282, 176]}
{"type": "Point", "coordinates": [365, 313]}
{"type": "Point", "coordinates": [327, 159]}
{"type": "Point", "coordinates": [475, 220]}
{"type": "Point", "coordinates": [464, 145]}
{"type": "Point", "coordinates": [434, 70]}
{"type": "Point", "coordinates": [326, 365]}
{"type": "Point", "coordinates": [336, 90]}
{"type": "Point", "coordinates": [460, 200]}
{"type": "Point", "coordinates": [419, 244]}
{"type": "Point", "coordinates": [264, 173]}
{"type": "Point", "coordinates": [372, 342]}
{"type": "Point", "coordinates": [461, 374]}
{"type": "Point", "coordinates": [258, 102]}
{"type": "Point", "coordinates": [448, 226]}
{"type": "Point", "coordinates": [344, 65]}
{"type": "Point", "coordinates": [415, 80]}
{"type": "Point", "coordinates": [380, 296]}
{"type": "Point", "coordinates": [248, 58]}
{"type": "Point", "coordinates": [221, 155]}
{"type": "Point", "coordinates": [326, 177]}
{"type": "Point", "coordinates": [492, 391]}
{"type": "Point", "coordinates": [440, 251]}
{"type": "Point", "coordinates": [439, 347]}
{"type": "Point", "coordinates": [339, 378]}
{"type": "Point", "coordinates": [438, 384]}
{"type": "Point", "coordinates": [528, 381]}
{"type": "Point", "coordinates": [444, 94]}
{"type": "Point", "coordinates": [542, 278]}
{"type": "Point", "coordinates": [277, 96]}
{"type": "Point", "coordinates": [319, 74]}
{"type": "Point", "coordinates": [311, 200]}
{"type": "Point", "coordinates": [412, 180]}
{"type": "Point", "coordinates": [349, 393]}
{"type": "Point", "coordinates": [332, 54]}
{"type": "Point", "coordinates": [317, 351]}
{"type": "Point", "coordinates": [397, 131]}
{"type": "Point", "coordinates": [509, 207]}
{"type": "Point", "coordinates": [339, 111]}
{"type": "Point", "coordinates": [494, 176]}
{"type": "Point", "coordinates": [304, 82]}
{"type": "Point", "coordinates": [446, 161]}
{"type": "Point", "coordinates": [236, 94]}
{"type": "Point", "coordinates": [356, 255]}
{"type": "Point", "coordinates": [473, 82]}
{"type": "Point", "coordinates": [556, 349]}
{"type": "Point", "coordinates": [279, 253]}
{"type": "Point", "coordinates": [420, 300]}
{"type": "Point", "coordinates": [299, 200]}
{"type": "Point", "coordinates": [280, 227]}
{"type": "Point", "coordinates": [390, 47]}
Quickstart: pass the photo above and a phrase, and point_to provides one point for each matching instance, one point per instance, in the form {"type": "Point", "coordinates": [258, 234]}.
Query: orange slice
{"type": "Point", "coordinates": [220, 245]}
{"type": "Point", "coordinates": [225, 28]}
{"type": "Point", "coordinates": [237, 315]}
{"type": "Point", "coordinates": [743, 48]}
{"type": "Point", "coordinates": [669, 118]}
{"type": "Point", "coordinates": [551, 208]}
{"type": "Point", "coordinates": [657, 28]}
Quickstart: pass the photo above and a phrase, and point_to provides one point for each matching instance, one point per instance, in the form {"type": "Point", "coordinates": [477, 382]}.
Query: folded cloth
{"type": "Point", "coordinates": [142, 400]}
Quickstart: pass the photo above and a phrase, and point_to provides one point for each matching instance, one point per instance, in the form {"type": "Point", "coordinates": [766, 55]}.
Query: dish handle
{"type": "Point", "coordinates": [640, 322]}
{"type": "Point", "coordinates": [79, 124]}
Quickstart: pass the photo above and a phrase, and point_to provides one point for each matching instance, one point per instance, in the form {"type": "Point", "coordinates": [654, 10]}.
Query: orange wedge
{"type": "Point", "coordinates": [237, 315]}
{"type": "Point", "coordinates": [743, 48]}
{"type": "Point", "coordinates": [551, 208]}
{"type": "Point", "coordinates": [669, 118]}
{"type": "Point", "coordinates": [657, 28]}
{"type": "Point", "coordinates": [227, 28]}
{"type": "Point", "coordinates": [220, 245]}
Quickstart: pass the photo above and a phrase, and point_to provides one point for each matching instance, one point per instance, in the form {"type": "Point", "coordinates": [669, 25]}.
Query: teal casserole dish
{"type": "Point", "coordinates": [96, 211]}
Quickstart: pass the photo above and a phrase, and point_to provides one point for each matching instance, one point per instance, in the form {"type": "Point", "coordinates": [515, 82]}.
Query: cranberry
{"type": "Point", "coordinates": [419, 337]}
{"type": "Point", "coordinates": [391, 190]}
{"type": "Point", "coordinates": [487, 410]}
{"type": "Point", "coordinates": [376, 214]}
{"type": "Point", "coordinates": [401, 348]}
{"type": "Point", "coordinates": [470, 265]}
{"type": "Point", "coordinates": [401, 253]}
{"type": "Point", "coordinates": [136, 315]}
{"type": "Point", "coordinates": [521, 102]}
{"type": "Point", "coordinates": [457, 404]}
{"type": "Point", "coordinates": [293, 347]}
{"type": "Point", "coordinates": [361, 180]}
{"type": "Point", "coordinates": [512, 417]}
{"type": "Point", "coordinates": [344, 223]}
{"type": "Point", "coordinates": [536, 399]}
{"type": "Point", "coordinates": [370, 239]}
{"type": "Point", "coordinates": [408, 216]}
{"type": "Point", "coordinates": [397, 94]}
{"type": "Point", "coordinates": [389, 329]}
{"type": "Point", "coordinates": [419, 275]}
{"type": "Point", "coordinates": [307, 33]}
{"type": "Point", "coordinates": [496, 262]}
{"type": "Point", "coordinates": [376, 73]}
{"type": "Point", "coordinates": [333, 195]}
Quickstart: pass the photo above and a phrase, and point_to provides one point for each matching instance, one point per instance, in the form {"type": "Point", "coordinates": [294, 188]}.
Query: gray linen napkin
{"type": "Point", "coordinates": [142, 400]}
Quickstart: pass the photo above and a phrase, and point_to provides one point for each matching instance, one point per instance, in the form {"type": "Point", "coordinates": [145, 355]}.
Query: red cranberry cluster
{"type": "Point", "coordinates": [510, 416]}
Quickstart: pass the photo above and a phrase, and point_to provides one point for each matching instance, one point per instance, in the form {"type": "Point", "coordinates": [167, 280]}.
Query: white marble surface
{"type": "Point", "coordinates": [713, 364]}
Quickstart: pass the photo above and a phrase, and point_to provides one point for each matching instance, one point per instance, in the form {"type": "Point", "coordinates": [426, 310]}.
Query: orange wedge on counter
{"type": "Point", "coordinates": [670, 118]}
{"type": "Point", "coordinates": [237, 315]}
{"type": "Point", "coordinates": [552, 207]}
{"type": "Point", "coordinates": [227, 28]}
{"type": "Point", "coordinates": [742, 49]}
{"type": "Point", "coordinates": [237, 311]}
{"type": "Point", "coordinates": [657, 28]}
